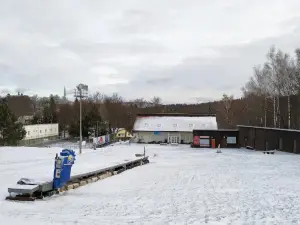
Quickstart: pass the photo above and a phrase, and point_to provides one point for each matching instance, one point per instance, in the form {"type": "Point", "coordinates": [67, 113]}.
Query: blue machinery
{"type": "Point", "coordinates": [29, 190]}
{"type": "Point", "coordinates": [62, 168]}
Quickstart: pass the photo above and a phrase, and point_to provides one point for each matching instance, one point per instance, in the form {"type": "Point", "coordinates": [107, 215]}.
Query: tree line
{"type": "Point", "coordinates": [270, 98]}
{"type": "Point", "coordinates": [100, 113]}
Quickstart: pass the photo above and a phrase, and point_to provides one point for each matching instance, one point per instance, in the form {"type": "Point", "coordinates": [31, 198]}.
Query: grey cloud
{"type": "Point", "coordinates": [159, 81]}
{"type": "Point", "coordinates": [44, 46]}
{"type": "Point", "coordinates": [5, 91]}
{"type": "Point", "coordinates": [4, 67]}
{"type": "Point", "coordinates": [226, 74]}
{"type": "Point", "coordinates": [135, 21]}
{"type": "Point", "coordinates": [21, 90]}
{"type": "Point", "coordinates": [202, 99]}
{"type": "Point", "coordinates": [103, 49]}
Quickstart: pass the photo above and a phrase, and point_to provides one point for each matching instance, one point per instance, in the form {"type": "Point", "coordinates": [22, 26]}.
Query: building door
{"type": "Point", "coordinates": [280, 144]}
{"type": "Point", "coordinates": [173, 139]}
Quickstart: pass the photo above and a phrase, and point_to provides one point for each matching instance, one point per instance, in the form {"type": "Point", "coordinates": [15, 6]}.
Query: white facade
{"type": "Point", "coordinates": [41, 131]}
{"type": "Point", "coordinates": [171, 129]}
{"type": "Point", "coordinates": [146, 137]}
{"type": "Point", "coordinates": [175, 123]}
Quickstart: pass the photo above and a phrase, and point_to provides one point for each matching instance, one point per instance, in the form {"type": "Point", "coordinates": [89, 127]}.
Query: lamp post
{"type": "Point", "coordinates": [81, 91]}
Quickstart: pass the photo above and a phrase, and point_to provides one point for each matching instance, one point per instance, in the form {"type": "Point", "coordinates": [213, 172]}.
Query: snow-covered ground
{"type": "Point", "coordinates": [181, 185]}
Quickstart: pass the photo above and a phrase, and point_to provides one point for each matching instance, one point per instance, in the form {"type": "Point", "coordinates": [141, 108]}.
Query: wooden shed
{"type": "Point", "coordinates": [226, 138]}
{"type": "Point", "coordinates": [267, 138]}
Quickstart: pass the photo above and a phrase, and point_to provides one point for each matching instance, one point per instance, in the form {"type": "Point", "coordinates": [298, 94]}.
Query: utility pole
{"type": "Point", "coordinates": [97, 128]}
{"type": "Point", "coordinates": [80, 92]}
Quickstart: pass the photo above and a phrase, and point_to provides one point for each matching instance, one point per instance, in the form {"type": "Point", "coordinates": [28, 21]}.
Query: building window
{"type": "Point", "coordinates": [40, 131]}
{"type": "Point", "coordinates": [231, 140]}
{"type": "Point", "coordinates": [146, 124]}
{"type": "Point", "coordinates": [28, 132]}
{"type": "Point", "coordinates": [158, 125]}
{"type": "Point", "coordinates": [175, 125]}
{"type": "Point", "coordinates": [204, 142]}
{"type": "Point", "coordinates": [191, 125]}
{"type": "Point", "coordinates": [45, 130]}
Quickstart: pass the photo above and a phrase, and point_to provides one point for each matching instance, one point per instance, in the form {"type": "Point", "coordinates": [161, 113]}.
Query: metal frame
{"type": "Point", "coordinates": [48, 186]}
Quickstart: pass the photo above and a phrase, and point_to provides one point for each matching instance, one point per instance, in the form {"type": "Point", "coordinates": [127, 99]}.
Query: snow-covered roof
{"type": "Point", "coordinates": [175, 123]}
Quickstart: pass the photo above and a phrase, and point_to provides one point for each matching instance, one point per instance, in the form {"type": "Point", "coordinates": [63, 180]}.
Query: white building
{"type": "Point", "coordinates": [38, 132]}
{"type": "Point", "coordinates": [171, 128]}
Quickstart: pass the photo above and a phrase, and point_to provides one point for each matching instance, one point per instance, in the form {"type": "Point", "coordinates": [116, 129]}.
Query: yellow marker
{"type": "Point", "coordinates": [70, 158]}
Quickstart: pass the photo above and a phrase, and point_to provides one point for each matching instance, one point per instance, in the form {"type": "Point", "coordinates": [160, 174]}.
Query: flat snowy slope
{"type": "Point", "coordinates": [180, 186]}
{"type": "Point", "coordinates": [38, 163]}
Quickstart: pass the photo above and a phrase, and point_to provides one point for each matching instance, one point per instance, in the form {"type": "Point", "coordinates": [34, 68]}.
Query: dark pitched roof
{"type": "Point", "coordinates": [20, 105]}
{"type": "Point", "coordinates": [268, 128]}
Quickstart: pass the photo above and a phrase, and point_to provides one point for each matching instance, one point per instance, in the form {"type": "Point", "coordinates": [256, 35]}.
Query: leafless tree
{"type": "Point", "coordinates": [156, 101]}
{"type": "Point", "coordinates": [140, 102]}
{"type": "Point", "coordinates": [278, 77]}
{"type": "Point", "coordinates": [97, 97]}
{"type": "Point", "coordinates": [227, 104]}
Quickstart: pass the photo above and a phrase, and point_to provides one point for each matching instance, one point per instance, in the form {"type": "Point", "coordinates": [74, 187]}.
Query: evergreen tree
{"type": "Point", "coordinates": [73, 129]}
{"type": "Point", "coordinates": [11, 131]}
{"type": "Point", "coordinates": [90, 120]}
{"type": "Point", "coordinates": [37, 119]}
{"type": "Point", "coordinates": [95, 121]}
{"type": "Point", "coordinates": [46, 115]}
{"type": "Point", "coordinates": [52, 110]}
{"type": "Point", "coordinates": [49, 113]}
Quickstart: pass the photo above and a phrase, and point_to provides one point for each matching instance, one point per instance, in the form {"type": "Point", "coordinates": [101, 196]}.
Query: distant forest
{"type": "Point", "coordinates": [271, 98]}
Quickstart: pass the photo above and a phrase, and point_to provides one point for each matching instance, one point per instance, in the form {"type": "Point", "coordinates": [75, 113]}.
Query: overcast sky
{"type": "Point", "coordinates": [180, 50]}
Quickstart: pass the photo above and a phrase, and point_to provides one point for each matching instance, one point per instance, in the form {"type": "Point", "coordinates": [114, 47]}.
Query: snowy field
{"type": "Point", "coordinates": [181, 185]}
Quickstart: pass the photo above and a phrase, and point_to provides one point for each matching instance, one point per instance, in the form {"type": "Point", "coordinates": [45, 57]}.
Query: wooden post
{"type": "Point", "coordinates": [278, 120]}
{"type": "Point", "coordinates": [289, 113]}
{"type": "Point", "coordinates": [274, 111]}
{"type": "Point", "coordinates": [265, 122]}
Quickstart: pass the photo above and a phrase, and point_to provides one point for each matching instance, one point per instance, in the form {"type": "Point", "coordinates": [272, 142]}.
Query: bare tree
{"type": "Point", "coordinates": [98, 97]}
{"type": "Point", "coordinates": [140, 102]}
{"type": "Point", "coordinates": [278, 77]}
{"type": "Point", "coordinates": [156, 101]}
{"type": "Point", "coordinates": [227, 104]}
